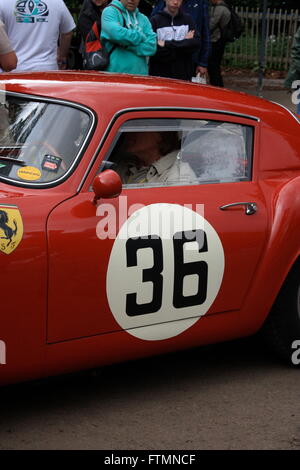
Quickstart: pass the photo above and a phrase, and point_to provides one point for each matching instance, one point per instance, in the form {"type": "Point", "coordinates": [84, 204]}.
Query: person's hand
{"type": "Point", "coordinates": [62, 65]}
{"type": "Point", "coordinates": [201, 70]}
{"type": "Point", "coordinates": [190, 34]}
{"type": "Point", "coordinates": [161, 43]}
{"type": "Point", "coordinates": [62, 62]}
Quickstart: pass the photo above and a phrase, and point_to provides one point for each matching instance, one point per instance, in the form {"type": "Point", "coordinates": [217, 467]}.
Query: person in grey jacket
{"type": "Point", "coordinates": [294, 70]}
{"type": "Point", "coordinates": [220, 17]}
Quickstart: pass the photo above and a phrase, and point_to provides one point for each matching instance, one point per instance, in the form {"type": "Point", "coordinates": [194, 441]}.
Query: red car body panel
{"type": "Point", "coordinates": [55, 315]}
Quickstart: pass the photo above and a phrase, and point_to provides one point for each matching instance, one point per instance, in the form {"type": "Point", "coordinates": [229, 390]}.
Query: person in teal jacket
{"type": "Point", "coordinates": [128, 36]}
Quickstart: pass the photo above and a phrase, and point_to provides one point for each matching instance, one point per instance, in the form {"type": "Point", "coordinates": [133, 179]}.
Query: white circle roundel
{"type": "Point", "coordinates": [165, 270]}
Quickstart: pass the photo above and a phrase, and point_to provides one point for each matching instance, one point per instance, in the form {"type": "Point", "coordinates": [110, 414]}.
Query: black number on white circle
{"type": "Point", "coordinates": [149, 274]}
{"type": "Point", "coordinates": [181, 270]}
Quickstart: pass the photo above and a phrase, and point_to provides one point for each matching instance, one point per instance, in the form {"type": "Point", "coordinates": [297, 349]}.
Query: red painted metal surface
{"type": "Point", "coordinates": [55, 316]}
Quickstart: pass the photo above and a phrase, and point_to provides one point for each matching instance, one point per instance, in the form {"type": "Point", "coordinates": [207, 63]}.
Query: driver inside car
{"type": "Point", "coordinates": [153, 157]}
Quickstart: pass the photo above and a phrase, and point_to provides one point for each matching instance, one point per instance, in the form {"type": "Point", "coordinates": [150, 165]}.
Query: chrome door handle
{"type": "Point", "coordinates": [250, 207]}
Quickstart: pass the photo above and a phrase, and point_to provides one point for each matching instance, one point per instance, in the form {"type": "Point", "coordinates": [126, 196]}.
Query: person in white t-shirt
{"type": "Point", "coordinates": [34, 28]}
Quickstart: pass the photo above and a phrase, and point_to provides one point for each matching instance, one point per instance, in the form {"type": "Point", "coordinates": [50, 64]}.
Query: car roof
{"type": "Point", "coordinates": [92, 89]}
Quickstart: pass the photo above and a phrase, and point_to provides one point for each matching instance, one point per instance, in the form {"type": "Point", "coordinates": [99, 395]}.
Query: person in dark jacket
{"type": "Point", "coordinates": [198, 9]}
{"type": "Point", "coordinates": [177, 40]}
{"type": "Point", "coordinates": [90, 12]}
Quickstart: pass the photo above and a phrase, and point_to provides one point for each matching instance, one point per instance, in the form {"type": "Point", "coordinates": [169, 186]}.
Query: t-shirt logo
{"type": "Point", "coordinates": [31, 11]}
{"type": "Point", "coordinates": [172, 33]}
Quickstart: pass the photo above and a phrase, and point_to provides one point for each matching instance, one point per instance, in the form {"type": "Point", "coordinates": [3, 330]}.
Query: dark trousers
{"type": "Point", "coordinates": [214, 63]}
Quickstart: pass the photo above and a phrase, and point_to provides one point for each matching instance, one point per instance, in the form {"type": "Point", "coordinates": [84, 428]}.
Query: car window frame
{"type": "Point", "coordinates": [179, 126]}
{"type": "Point", "coordinates": [127, 114]}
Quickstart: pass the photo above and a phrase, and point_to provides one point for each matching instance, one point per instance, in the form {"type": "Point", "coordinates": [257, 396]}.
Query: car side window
{"type": "Point", "coordinates": [168, 152]}
{"type": "Point", "coordinates": [40, 140]}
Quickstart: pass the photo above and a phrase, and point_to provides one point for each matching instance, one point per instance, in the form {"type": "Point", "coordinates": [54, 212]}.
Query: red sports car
{"type": "Point", "coordinates": [140, 216]}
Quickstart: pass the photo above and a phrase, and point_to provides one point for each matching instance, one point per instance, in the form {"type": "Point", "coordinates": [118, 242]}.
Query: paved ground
{"type": "Point", "coordinates": [228, 396]}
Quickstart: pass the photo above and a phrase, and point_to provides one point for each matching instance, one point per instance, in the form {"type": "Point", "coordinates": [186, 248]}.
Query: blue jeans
{"type": "Point", "coordinates": [298, 109]}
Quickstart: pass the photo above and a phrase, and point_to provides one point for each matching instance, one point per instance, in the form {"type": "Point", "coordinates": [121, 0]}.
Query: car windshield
{"type": "Point", "coordinates": [40, 141]}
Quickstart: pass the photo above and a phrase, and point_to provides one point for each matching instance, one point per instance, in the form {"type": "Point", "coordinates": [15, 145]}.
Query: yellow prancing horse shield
{"type": "Point", "coordinates": [11, 228]}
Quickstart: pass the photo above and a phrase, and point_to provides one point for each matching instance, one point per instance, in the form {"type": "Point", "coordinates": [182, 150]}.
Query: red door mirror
{"type": "Point", "coordinates": [107, 185]}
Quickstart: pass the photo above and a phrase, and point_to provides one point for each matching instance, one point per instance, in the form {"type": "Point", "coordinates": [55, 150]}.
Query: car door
{"type": "Point", "coordinates": [162, 254]}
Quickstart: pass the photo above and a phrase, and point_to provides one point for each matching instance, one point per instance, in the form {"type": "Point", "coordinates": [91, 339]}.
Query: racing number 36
{"type": "Point", "coordinates": [181, 270]}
